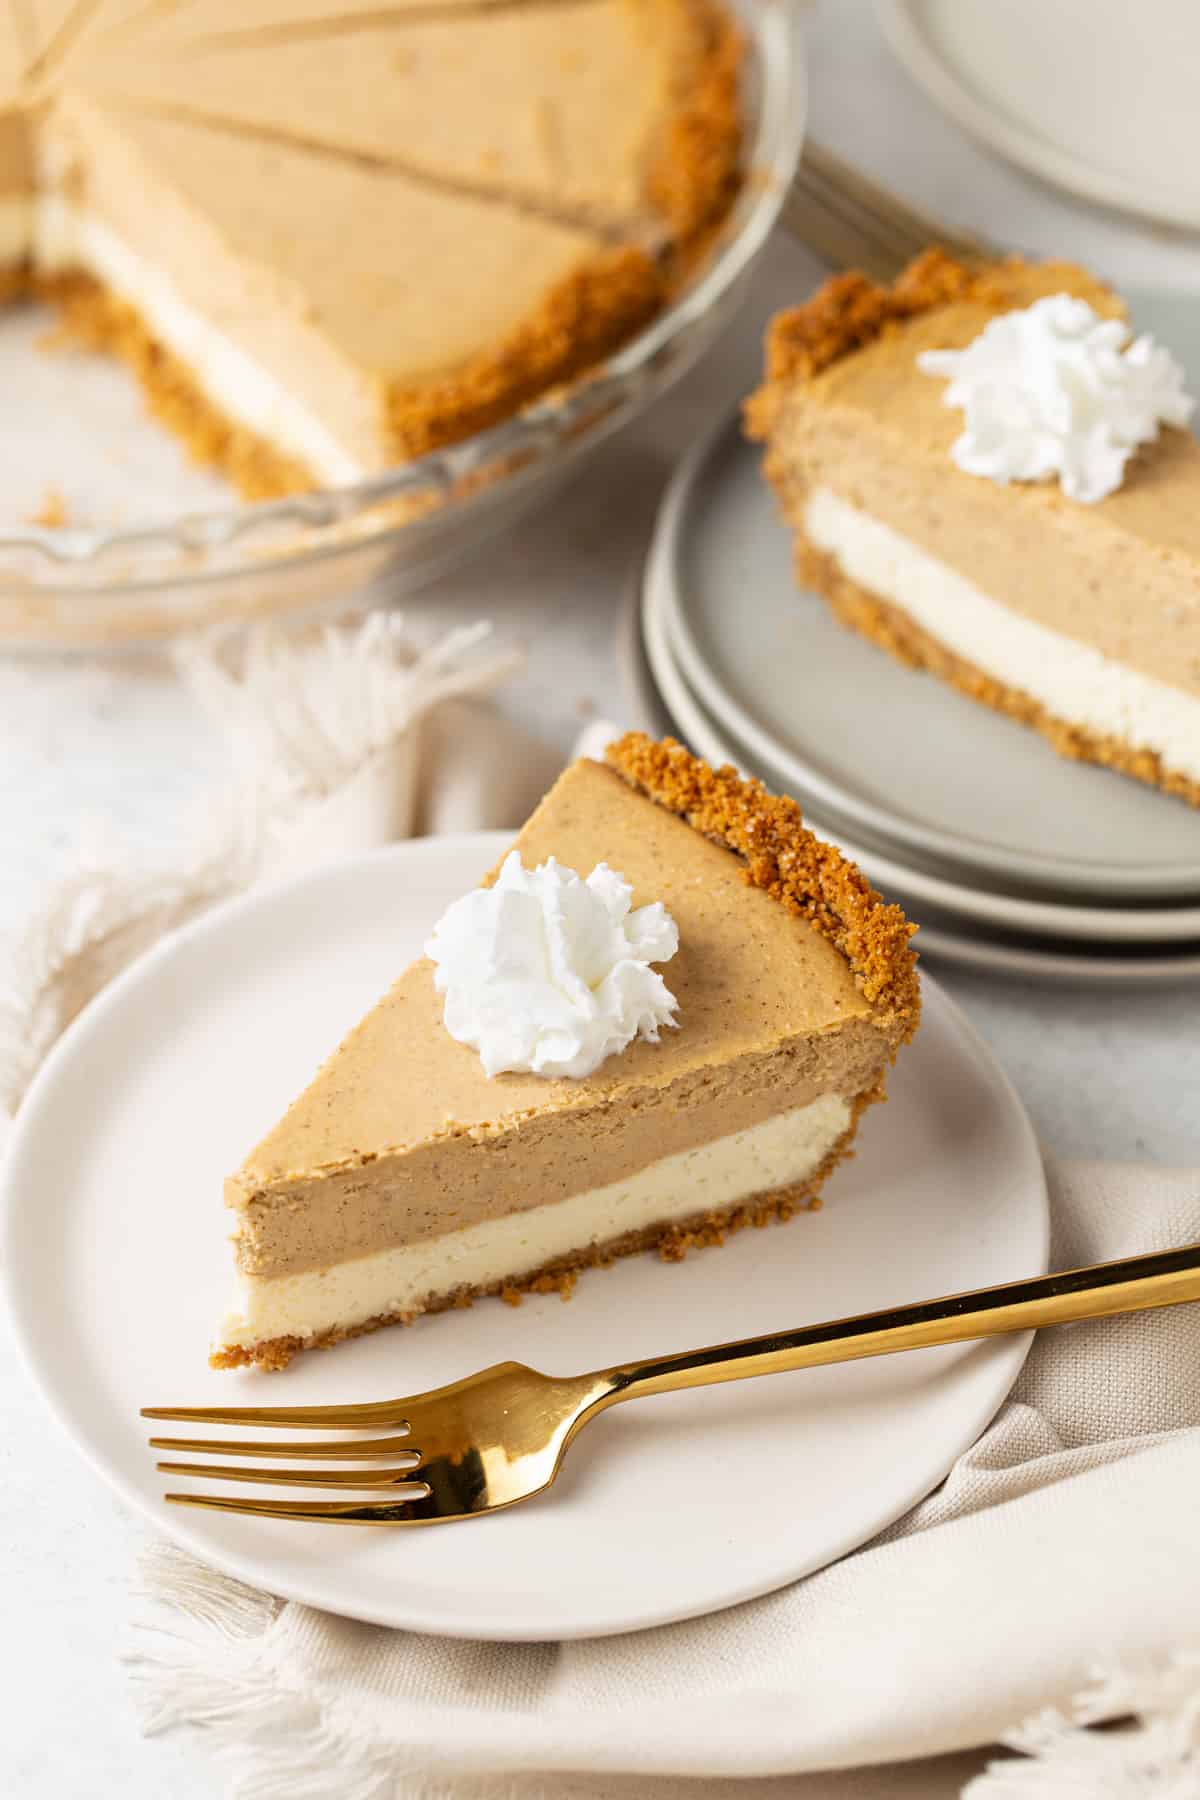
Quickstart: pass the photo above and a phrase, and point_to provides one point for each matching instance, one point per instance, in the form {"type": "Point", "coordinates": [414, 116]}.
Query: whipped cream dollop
{"type": "Point", "coordinates": [548, 974]}
{"type": "Point", "coordinates": [1056, 390]}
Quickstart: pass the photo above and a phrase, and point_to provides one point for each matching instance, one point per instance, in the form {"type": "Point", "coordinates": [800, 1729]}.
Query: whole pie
{"type": "Point", "coordinates": [1082, 620]}
{"type": "Point", "coordinates": [407, 1178]}
{"type": "Point", "coordinates": [331, 238]}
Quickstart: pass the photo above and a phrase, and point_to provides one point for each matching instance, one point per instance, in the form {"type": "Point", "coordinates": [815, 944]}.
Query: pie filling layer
{"type": "Point", "coordinates": [1074, 682]}
{"type": "Point", "coordinates": [68, 240]}
{"type": "Point", "coordinates": [16, 228]}
{"type": "Point", "coordinates": [779, 1153]}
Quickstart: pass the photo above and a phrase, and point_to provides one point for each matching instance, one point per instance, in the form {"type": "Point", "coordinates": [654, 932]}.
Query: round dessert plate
{"type": "Point", "coordinates": [1123, 134]}
{"type": "Point", "coordinates": [117, 1266]}
{"type": "Point", "coordinates": [919, 878]}
{"type": "Point", "coordinates": [955, 926]}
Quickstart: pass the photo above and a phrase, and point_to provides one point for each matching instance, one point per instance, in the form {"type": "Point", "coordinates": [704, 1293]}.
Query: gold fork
{"type": "Point", "coordinates": [500, 1436]}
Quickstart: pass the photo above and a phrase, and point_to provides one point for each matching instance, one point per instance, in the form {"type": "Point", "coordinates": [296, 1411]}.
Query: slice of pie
{"type": "Point", "coordinates": [405, 1180]}
{"type": "Point", "coordinates": [1082, 620]}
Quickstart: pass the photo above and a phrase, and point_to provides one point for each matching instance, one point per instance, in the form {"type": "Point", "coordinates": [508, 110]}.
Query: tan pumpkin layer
{"type": "Point", "coordinates": [673, 1241]}
{"type": "Point", "coordinates": [893, 630]}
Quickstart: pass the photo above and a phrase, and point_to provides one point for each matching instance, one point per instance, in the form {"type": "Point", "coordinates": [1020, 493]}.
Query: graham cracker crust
{"type": "Point", "coordinates": [696, 174]}
{"type": "Point", "coordinates": [673, 1242]}
{"type": "Point", "coordinates": [15, 283]}
{"type": "Point", "coordinates": [893, 630]}
{"type": "Point", "coordinates": [781, 855]}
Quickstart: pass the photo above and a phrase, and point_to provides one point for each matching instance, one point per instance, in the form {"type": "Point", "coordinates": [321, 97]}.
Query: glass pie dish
{"type": "Point", "coordinates": [79, 585]}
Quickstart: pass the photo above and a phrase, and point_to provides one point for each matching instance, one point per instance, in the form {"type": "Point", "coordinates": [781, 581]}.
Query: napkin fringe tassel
{"type": "Point", "coordinates": [218, 1668]}
{"type": "Point", "coordinates": [299, 717]}
{"type": "Point", "coordinates": [101, 916]}
{"type": "Point", "coordinates": [216, 1671]}
{"type": "Point", "coordinates": [1150, 1747]}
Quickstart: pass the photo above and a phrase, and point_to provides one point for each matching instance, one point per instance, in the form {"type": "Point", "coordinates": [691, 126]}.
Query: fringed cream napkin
{"type": "Point", "coordinates": [1051, 1583]}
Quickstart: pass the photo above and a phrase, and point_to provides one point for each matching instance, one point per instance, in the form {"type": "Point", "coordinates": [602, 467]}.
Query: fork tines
{"type": "Point", "coordinates": [401, 1456]}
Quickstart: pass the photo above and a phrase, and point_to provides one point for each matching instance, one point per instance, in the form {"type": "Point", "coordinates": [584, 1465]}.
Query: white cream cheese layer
{"type": "Point", "coordinates": [1073, 681]}
{"type": "Point", "coordinates": [16, 228]}
{"type": "Point", "coordinates": [66, 238]}
{"type": "Point", "coordinates": [776, 1154]}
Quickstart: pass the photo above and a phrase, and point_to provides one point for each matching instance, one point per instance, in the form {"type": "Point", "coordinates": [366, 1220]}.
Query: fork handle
{"type": "Point", "coordinates": [1166, 1278]}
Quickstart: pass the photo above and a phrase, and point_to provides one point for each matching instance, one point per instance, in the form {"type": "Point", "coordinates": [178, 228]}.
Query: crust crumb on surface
{"type": "Point", "coordinates": [782, 856]}
{"type": "Point", "coordinates": [893, 630]}
{"type": "Point", "coordinates": [673, 1241]}
{"type": "Point", "coordinates": [52, 513]}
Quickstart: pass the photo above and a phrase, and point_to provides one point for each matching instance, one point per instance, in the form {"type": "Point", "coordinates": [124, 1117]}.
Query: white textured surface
{"type": "Point", "coordinates": [65, 238]}
{"type": "Point", "coordinates": [709, 1177]}
{"type": "Point", "coordinates": [1102, 1075]}
{"type": "Point", "coordinates": [1072, 681]}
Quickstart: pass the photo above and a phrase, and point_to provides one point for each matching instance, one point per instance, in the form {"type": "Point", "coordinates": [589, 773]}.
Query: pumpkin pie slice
{"type": "Point", "coordinates": [611, 112]}
{"type": "Point", "coordinates": [300, 317]}
{"type": "Point", "coordinates": [405, 1179]}
{"type": "Point", "coordinates": [1082, 620]}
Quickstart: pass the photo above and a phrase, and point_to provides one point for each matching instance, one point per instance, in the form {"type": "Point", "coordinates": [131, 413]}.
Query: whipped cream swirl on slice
{"type": "Point", "coordinates": [547, 974]}
{"type": "Point", "coordinates": [1056, 390]}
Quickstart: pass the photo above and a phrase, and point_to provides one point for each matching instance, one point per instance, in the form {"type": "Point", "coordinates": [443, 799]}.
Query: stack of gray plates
{"type": "Point", "coordinates": [1009, 857]}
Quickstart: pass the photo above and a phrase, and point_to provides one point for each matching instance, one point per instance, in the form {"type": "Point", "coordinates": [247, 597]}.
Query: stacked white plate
{"type": "Point", "coordinates": [1009, 857]}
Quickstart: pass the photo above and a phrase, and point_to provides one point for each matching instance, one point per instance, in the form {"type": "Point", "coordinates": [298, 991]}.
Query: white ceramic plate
{"type": "Point", "coordinates": [947, 932]}
{"type": "Point", "coordinates": [116, 1266]}
{"type": "Point", "coordinates": [1068, 91]}
{"type": "Point", "coordinates": [981, 903]}
{"type": "Point", "coordinates": [855, 732]}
